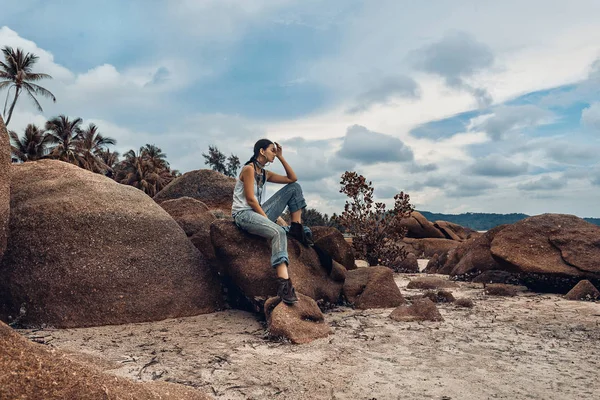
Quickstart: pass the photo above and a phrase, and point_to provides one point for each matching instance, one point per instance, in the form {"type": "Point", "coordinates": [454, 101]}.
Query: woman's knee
{"type": "Point", "coordinates": [295, 186]}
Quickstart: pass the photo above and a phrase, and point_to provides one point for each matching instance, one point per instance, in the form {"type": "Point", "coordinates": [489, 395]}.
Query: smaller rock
{"type": "Point", "coordinates": [338, 272]}
{"type": "Point", "coordinates": [372, 287]}
{"type": "Point", "coordinates": [301, 323]}
{"type": "Point", "coordinates": [584, 290]}
{"type": "Point", "coordinates": [433, 265]}
{"type": "Point", "coordinates": [464, 302]}
{"type": "Point", "coordinates": [419, 310]}
{"type": "Point", "coordinates": [501, 289]}
{"type": "Point", "coordinates": [440, 296]}
{"type": "Point", "coordinates": [430, 282]}
{"type": "Point", "coordinates": [410, 264]}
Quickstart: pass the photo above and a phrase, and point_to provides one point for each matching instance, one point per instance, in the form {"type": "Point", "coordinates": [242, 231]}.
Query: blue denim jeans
{"type": "Point", "coordinates": [252, 222]}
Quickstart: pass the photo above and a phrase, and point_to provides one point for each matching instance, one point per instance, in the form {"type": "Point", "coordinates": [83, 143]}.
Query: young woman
{"type": "Point", "coordinates": [258, 218]}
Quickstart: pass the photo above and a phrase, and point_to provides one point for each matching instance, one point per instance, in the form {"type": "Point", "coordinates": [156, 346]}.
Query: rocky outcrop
{"type": "Point", "coordinates": [452, 231]}
{"type": "Point", "coordinates": [419, 310]}
{"type": "Point", "coordinates": [244, 261]}
{"type": "Point", "coordinates": [84, 250]}
{"type": "Point", "coordinates": [33, 371]}
{"type": "Point", "coordinates": [551, 252]}
{"type": "Point", "coordinates": [302, 322]}
{"type": "Point", "coordinates": [5, 161]}
{"type": "Point", "coordinates": [474, 256]}
{"type": "Point", "coordinates": [332, 242]}
{"type": "Point", "coordinates": [427, 247]}
{"type": "Point", "coordinates": [210, 187]}
{"type": "Point", "coordinates": [417, 226]}
{"type": "Point", "coordinates": [410, 264]}
{"type": "Point", "coordinates": [372, 287]}
{"type": "Point", "coordinates": [584, 290]}
{"type": "Point", "coordinates": [195, 218]}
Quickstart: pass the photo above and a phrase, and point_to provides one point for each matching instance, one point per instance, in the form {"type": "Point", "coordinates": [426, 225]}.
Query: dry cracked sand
{"type": "Point", "coordinates": [533, 346]}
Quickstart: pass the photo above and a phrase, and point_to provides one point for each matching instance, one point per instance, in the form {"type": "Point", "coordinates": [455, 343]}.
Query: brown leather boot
{"type": "Point", "coordinates": [286, 291]}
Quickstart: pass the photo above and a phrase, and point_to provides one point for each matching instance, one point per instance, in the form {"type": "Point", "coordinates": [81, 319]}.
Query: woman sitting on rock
{"type": "Point", "coordinates": [258, 218]}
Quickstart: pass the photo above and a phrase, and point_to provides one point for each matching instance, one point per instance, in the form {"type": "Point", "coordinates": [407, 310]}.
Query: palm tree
{"type": "Point", "coordinates": [89, 147]}
{"type": "Point", "coordinates": [32, 146]}
{"type": "Point", "coordinates": [155, 155]}
{"type": "Point", "coordinates": [136, 170]}
{"type": "Point", "coordinates": [65, 134]}
{"type": "Point", "coordinates": [16, 73]}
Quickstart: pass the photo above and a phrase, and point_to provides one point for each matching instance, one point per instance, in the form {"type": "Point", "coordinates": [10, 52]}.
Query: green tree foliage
{"type": "Point", "coordinates": [218, 162]}
{"type": "Point", "coordinates": [16, 73]}
{"type": "Point", "coordinates": [32, 146]}
{"type": "Point", "coordinates": [377, 232]}
{"type": "Point", "coordinates": [146, 169]}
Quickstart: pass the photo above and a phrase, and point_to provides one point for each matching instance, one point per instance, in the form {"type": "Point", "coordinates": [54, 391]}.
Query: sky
{"type": "Point", "coordinates": [468, 106]}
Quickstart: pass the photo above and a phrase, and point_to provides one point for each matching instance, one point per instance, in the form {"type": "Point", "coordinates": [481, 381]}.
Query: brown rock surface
{"type": "Point", "coordinates": [433, 265]}
{"type": "Point", "coordinates": [584, 290]}
{"type": "Point", "coordinates": [301, 323]}
{"type": "Point", "coordinates": [419, 310]}
{"type": "Point", "coordinates": [332, 242]}
{"type": "Point", "coordinates": [419, 227]}
{"type": "Point", "coordinates": [451, 230]}
{"type": "Point", "coordinates": [464, 302]}
{"type": "Point", "coordinates": [550, 251]}
{"type": "Point", "coordinates": [210, 187]}
{"type": "Point", "coordinates": [372, 287]}
{"type": "Point", "coordinates": [430, 282]}
{"type": "Point", "coordinates": [195, 218]}
{"type": "Point", "coordinates": [429, 246]}
{"type": "Point", "coordinates": [245, 261]}
{"type": "Point", "coordinates": [5, 161]}
{"type": "Point", "coordinates": [34, 371]}
{"type": "Point", "coordinates": [410, 264]}
{"type": "Point", "coordinates": [474, 256]}
{"type": "Point", "coordinates": [439, 296]}
{"type": "Point", "coordinates": [84, 250]}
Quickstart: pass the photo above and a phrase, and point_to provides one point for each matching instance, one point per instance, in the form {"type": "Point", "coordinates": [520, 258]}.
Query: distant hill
{"type": "Point", "coordinates": [484, 221]}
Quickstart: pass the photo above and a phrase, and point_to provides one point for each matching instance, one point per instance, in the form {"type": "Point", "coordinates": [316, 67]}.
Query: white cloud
{"type": "Point", "coordinates": [590, 116]}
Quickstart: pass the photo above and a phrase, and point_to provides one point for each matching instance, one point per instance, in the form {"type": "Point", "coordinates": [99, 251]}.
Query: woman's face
{"type": "Point", "coordinates": [270, 153]}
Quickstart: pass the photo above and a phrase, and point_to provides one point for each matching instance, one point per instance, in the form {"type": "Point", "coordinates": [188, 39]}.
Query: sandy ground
{"type": "Point", "coordinates": [531, 346]}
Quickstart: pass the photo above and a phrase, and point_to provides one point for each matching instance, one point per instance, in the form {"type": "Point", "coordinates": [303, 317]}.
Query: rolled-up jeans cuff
{"type": "Point", "coordinates": [277, 259]}
{"type": "Point", "coordinates": [295, 205]}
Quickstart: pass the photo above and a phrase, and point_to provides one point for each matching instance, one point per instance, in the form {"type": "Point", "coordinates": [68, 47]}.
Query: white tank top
{"type": "Point", "coordinates": [239, 198]}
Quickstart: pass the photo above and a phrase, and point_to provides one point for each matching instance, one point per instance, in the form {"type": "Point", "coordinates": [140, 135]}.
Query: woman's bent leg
{"type": "Point", "coordinates": [289, 196]}
{"type": "Point", "coordinates": [256, 224]}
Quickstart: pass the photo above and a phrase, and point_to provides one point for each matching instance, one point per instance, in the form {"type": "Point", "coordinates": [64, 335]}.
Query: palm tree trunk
{"type": "Point", "coordinates": [12, 106]}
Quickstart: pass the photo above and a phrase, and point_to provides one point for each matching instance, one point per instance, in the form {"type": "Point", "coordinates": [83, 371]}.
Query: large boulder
{"type": "Point", "coordinates": [453, 231]}
{"type": "Point", "coordinates": [427, 247]}
{"type": "Point", "coordinates": [417, 226]}
{"type": "Point", "coordinates": [301, 323]}
{"type": "Point", "coordinates": [551, 252]}
{"type": "Point", "coordinates": [210, 187]}
{"type": "Point", "coordinates": [84, 250]}
{"type": "Point", "coordinates": [5, 161]}
{"type": "Point", "coordinates": [333, 243]}
{"type": "Point", "coordinates": [195, 218]}
{"type": "Point", "coordinates": [372, 287]}
{"type": "Point", "coordinates": [473, 256]}
{"type": "Point", "coordinates": [33, 371]}
{"type": "Point", "coordinates": [244, 261]}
